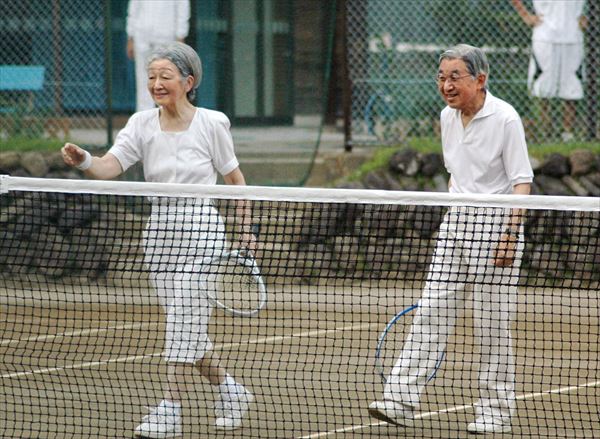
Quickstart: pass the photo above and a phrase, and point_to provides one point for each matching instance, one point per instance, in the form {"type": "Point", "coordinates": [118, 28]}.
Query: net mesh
{"type": "Point", "coordinates": [91, 272]}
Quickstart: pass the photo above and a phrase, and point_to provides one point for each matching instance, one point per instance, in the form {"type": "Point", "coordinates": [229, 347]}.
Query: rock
{"type": "Point", "coordinates": [590, 186]}
{"type": "Point", "coordinates": [376, 180]}
{"type": "Point", "coordinates": [535, 164]}
{"type": "Point", "coordinates": [35, 164]}
{"type": "Point", "coordinates": [582, 161]}
{"type": "Point", "coordinates": [405, 161]}
{"type": "Point", "coordinates": [432, 164]}
{"type": "Point", "coordinates": [9, 161]}
{"type": "Point", "coordinates": [55, 162]}
{"type": "Point", "coordinates": [555, 165]}
{"type": "Point", "coordinates": [551, 186]}
{"type": "Point", "coordinates": [575, 186]}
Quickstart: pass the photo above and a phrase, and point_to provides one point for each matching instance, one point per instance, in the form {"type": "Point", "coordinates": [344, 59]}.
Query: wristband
{"type": "Point", "coordinates": [86, 163]}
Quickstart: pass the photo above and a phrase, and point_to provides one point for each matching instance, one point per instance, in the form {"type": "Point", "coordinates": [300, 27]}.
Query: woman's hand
{"type": "Point", "coordinates": [73, 155]}
{"type": "Point", "coordinates": [101, 168]}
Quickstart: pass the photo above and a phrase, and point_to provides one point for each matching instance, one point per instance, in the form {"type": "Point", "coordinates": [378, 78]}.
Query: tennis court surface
{"type": "Point", "coordinates": [83, 333]}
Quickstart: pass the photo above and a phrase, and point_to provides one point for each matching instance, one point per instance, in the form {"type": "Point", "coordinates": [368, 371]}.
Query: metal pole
{"type": "Point", "coordinates": [108, 71]}
{"type": "Point", "coordinates": [593, 70]}
{"type": "Point", "coordinates": [346, 84]}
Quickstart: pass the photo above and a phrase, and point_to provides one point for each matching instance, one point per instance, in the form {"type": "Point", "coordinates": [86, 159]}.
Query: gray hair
{"type": "Point", "coordinates": [185, 59]}
{"type": "Point", "coordinates": [473, 57]}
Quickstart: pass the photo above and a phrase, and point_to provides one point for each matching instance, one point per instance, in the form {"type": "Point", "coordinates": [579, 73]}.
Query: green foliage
{"type": "Point", "coordinates": [25, 144]}
{"type": "Point", "coordinates": [539, 151]}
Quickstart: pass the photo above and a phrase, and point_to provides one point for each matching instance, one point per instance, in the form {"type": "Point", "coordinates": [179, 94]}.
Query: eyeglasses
{"type": "Point", "coordinates": [452, 79]}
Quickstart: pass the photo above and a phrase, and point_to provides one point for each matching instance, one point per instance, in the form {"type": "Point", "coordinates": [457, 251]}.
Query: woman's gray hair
{"type": "Point", "coordinates": [473, 57]}
{"type": "Point", "coordinates": [185, 59]}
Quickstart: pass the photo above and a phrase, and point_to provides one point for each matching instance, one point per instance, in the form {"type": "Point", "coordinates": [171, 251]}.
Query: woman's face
{"type": "Point", "coordinates": [165, 83]}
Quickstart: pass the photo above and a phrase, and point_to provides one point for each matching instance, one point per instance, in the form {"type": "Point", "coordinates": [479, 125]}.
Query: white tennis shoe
{"type": "Point", "coordinates": [488, 424]}
{"type": "Point", "coordinates": [162, 422]}
{"type": "Point", "coordinates": [231, 408]}
{"type": "Point", "coordinates": [392, 412]}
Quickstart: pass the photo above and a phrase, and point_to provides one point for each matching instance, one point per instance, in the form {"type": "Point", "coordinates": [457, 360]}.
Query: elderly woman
{"type": "Point", "coordinates": [478, 250]}
{"type": "Point", "coordinates": [179, 143]}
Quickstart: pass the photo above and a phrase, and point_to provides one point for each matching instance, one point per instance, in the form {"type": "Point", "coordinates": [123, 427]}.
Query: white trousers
{"type": "Point", "coordinates": [177, 239]}
{"type": "Point", "coordinates": [553, 70]}
{"type": "Point", "coordinates": [142, 50]}
{"type": "Point", "coordinates": [462, 263]}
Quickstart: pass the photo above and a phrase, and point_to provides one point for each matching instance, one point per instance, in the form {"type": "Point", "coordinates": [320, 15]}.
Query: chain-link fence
{"type": "Point", "coordinates": [52, 69]}
{"type": "Point", "coordinates": [393, 49]}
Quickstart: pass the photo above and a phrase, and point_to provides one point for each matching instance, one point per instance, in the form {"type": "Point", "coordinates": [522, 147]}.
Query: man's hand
{"type": "Point", "coordinates": [129, 49]}
{"type": "Point", "coordinates": [583, 23]}
{"type": "Point", "coordinates": [504, 256]}
{"type": "Point", "coordinates": [248, 241]}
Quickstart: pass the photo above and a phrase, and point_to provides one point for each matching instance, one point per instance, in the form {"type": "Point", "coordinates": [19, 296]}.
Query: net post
{"type": "Point", "coordinates": [3, 184]}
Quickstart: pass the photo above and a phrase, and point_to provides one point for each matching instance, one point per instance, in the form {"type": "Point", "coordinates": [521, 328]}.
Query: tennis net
{"type": "Point", "coordinates": [90, 269]}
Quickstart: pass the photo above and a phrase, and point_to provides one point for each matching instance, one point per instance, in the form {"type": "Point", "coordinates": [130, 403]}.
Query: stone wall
{"type": "Point", "coordinates": [575, 174]}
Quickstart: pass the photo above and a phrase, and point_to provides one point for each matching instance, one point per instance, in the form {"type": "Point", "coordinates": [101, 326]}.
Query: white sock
{"type": "Point", "coordinates": [228, 385]}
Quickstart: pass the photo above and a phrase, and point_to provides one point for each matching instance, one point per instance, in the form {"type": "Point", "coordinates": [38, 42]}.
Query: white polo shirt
{"type": "Point", "coordinates": [560, 21]}
{"type": "Point", "coordinates": [489, 156]}
{"type": "Point", "coordinates": [193, 156]}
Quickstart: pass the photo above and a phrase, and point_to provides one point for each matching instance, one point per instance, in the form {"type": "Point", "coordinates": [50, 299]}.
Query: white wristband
{"type": "Point", "coordinates": [86, 163]}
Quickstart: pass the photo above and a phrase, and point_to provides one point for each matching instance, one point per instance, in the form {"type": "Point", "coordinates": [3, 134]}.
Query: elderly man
{"type": "Point", "coordinates": [478, 249]}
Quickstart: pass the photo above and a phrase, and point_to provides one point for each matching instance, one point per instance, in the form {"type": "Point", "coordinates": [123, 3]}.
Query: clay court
{"type": "Point", "coordinates": [77, 365]}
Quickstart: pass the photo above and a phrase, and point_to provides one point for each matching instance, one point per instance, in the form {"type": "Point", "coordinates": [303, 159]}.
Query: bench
{"type": "Point", "coordinates": [16, 79]}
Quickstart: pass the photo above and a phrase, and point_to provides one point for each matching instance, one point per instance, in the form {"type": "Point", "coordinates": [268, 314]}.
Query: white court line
{"type": "Point", "coordinates": [451, 410]}
{"type": "Point", "coordinates": [80, 333]}
{"type": "Point", "coordinates": [128, 359]}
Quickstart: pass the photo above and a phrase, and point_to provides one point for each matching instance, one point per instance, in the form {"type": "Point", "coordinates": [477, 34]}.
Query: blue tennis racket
{"type": "Point", "coordinates": [390, 343]}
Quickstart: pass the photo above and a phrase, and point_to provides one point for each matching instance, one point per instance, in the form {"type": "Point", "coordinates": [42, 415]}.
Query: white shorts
{"type": "Point", "coordinates": [556, 70]}
{"type": "Point", "coordinates": [176, 240]}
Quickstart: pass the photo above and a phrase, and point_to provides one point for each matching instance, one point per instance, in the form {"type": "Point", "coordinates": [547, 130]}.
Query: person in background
{"type": "Point", "coordinates": [557, 55]}
{"type": "Point", "coordinates": [478, 250]}
{"type": "Point", "coordinates": [153, 23]}
{"type": "Point", "coordinates": [180, 143]}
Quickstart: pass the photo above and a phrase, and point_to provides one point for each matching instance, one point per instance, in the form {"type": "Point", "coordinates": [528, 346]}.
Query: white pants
{"type": "Point", "coordinates": [142, 50]}
{"type": "Point", "coordinates": [176, 240]}
{"type": "Point", "coordinates": [553, 70]}
{"type": "Point", "coordinates": [463, 262]}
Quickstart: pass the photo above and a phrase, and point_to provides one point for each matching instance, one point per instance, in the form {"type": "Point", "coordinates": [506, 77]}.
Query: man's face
{"type": "Point", "coordinates": [456, 85]}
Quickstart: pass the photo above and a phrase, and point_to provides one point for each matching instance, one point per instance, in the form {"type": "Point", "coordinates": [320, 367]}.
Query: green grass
{"type": "Point", "coordinates": [26, 144]}
{"type": "Point", "coordinates": [425, 145]}
{"type": "Point", "coordinates": [539, 151]}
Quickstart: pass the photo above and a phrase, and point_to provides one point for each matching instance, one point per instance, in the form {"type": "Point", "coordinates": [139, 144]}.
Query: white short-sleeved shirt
{"type": "Point", "coordinates": [194, 156]}
{"type": "Point", "coordinates": [489, 156]}
{"type": "Point", "coordinates": [560, 21]}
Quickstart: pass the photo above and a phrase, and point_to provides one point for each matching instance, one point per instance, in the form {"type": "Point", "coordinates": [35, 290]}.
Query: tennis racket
{"type": "Point", "coordinates": [390, 342]}
{"type": "Point", "coordinates": [234, 283]}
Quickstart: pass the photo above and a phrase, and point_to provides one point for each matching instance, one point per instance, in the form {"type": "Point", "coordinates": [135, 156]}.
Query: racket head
{"type": "Point", "coordinates": [391, 340]}
{"type": "Point", "coordinates": [234, 283]}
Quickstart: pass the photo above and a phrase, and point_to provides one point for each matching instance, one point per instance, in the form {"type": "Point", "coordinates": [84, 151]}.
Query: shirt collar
{"type": "Point", "coordinates": [488, 106]}
{"type": "Point", "coordinates": [487, 109]}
